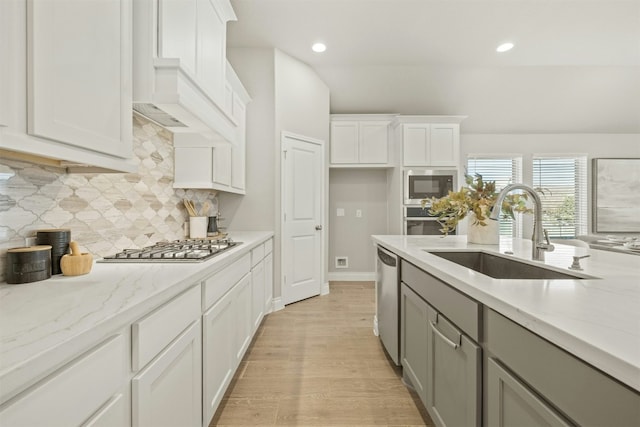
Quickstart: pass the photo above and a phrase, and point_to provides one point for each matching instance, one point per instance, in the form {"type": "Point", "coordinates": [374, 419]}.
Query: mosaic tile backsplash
{"type": "Point", "coordinates": [105, 212]}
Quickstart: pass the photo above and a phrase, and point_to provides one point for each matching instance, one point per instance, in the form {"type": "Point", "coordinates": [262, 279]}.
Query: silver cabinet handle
{"type": "Point", "coordinates": [441, 335]}
{"type": "Point", "coordinates": [318, 227]}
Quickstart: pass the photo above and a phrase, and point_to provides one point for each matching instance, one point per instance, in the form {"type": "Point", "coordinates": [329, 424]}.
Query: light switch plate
{"type": "Point", "coordinates": [340, 212]}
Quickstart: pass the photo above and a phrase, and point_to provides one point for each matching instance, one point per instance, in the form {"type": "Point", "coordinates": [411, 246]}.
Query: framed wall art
{"type": "Point", "coordinates": [616, 190]}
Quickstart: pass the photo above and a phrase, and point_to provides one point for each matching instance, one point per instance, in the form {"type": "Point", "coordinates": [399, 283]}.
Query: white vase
{"type": "Point", "coordinates": [488, 234]}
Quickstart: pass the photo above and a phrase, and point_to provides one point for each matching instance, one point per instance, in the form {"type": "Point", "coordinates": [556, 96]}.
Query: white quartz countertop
{"type": "Point", "coordinates": [597, 320]}
{"type": "Point", "coordinates": [44, 324]}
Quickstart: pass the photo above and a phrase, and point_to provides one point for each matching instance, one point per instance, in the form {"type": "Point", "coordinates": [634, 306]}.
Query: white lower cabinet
{"type": "Point", "coordinates": [218, 353]}
{"type": "Point", "coordinates": [268, 282]}
{"type": "Point", "coordinates": [168, 391]}
{"type": "Point", "coordinates": [91, 390]}
{"type": "Point", "coordinates": [258, 293]}
{"type": "Point", "coordinates": [244, 319]}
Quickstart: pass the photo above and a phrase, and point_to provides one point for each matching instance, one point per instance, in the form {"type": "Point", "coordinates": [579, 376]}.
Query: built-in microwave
{"type": "Point", "coordinates": [426, 183]}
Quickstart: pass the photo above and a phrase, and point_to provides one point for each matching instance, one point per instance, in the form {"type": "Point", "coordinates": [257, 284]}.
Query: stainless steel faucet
{"type": "Point", "coordinates": [540, 239]}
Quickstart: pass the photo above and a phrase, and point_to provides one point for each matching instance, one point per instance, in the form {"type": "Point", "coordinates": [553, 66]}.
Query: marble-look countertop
{"type": "Point", "coordinates": [44, 324]}
{"type": "Point", "coordinates": [597, 320]}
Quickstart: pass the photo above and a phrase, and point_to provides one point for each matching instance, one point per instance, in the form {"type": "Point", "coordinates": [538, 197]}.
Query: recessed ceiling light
{"type": "Point", "coordinates": [504, 47]}
{"type": "Point", "coordinates": [318, 47]}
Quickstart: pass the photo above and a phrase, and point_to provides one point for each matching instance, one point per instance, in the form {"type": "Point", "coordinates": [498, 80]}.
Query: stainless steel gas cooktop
{"type": "Point", "coordinates": [188, 250]}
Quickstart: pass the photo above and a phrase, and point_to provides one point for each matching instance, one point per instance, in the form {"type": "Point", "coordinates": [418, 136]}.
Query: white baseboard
{"type": "Point", "coordinates": [276, 304]}
{"type": "Point", "coordinates": [375, 325]}
{"type": "Point", "coordinates": [325, 289]}
{"type": "Point", "coordinates": [365, 276]}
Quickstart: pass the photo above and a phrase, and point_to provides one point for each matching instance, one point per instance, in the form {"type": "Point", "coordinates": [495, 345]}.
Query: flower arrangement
{"type": "Point", "coordinates": [478, 197]}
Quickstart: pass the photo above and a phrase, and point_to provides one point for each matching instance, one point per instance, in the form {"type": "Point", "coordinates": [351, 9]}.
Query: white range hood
{"type": "Point", "coordinates": [179, 68]}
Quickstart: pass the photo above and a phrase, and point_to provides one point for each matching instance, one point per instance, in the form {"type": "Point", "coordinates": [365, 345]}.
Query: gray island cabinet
{"type": "Point", "coordinates": [473, 366]}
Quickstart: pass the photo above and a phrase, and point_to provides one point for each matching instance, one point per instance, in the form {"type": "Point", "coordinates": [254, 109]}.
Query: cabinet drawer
{"type": "Point", "coordinates": [257, 254]}
{"type": "Point", "coordinates": [70, 396]}
{"type": "Point", "coordinates": [577, 389]}
{"type": "Point", "coordinates": [268, 246]}
{"type": "Point", "coordinates": [155, 331]}
{"type": "Point", "coordinates": [454, 305]}
{"type": "Point", "coordinates": [220, 283]}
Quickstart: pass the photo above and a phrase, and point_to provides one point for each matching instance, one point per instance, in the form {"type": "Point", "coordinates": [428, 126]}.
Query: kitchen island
{"type": "Point", "coordinates": [595, 318]}
{"type": "Point", "coordinates": [119, 326]}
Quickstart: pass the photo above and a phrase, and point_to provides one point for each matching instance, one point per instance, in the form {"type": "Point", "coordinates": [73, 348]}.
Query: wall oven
{"type": "Point", "coordinates": [426, 183]}
{"type": "Point", "coordinates": [418, 222]}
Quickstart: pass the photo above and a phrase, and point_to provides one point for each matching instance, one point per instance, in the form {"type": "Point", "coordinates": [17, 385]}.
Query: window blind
{"type": "Point", "coordinates": [504, 171]}
{"type": "Point", "coordinates": [562, 182]}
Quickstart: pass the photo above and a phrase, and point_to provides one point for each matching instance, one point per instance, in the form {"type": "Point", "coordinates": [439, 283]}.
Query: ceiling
{"type": "Point", "coordinates": [575, 67]}
{"type": "Point", "coordinates": [444, 32]}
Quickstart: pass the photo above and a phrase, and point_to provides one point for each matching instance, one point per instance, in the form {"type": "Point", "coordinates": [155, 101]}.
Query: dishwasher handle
{"type": "Point", "coordinates": [386, 258]}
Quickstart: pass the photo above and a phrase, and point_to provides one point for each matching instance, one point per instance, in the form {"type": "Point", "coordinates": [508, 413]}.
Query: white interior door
{"type": "Point", "coordinates": [302, 205]}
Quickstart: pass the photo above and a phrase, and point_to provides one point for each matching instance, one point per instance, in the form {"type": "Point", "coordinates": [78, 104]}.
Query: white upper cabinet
{"type": "Point", "coordinates": [215, 165]}
{"type": "Point", "coordinates": [360, 140]}
{"type": "Point", "coordinates": [429, 140]}
{"type": "Point", "coordinates": [66, 82]}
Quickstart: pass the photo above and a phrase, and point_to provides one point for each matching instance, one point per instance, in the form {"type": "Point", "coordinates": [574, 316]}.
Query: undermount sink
{"type": "Point", "coordinates": [502, 268]}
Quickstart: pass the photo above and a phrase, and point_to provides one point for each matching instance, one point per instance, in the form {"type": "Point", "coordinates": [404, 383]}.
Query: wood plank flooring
{"type": "Point", "coordinates": [317, 362]}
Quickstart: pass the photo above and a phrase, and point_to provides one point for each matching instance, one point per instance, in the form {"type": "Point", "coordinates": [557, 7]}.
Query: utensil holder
{"type": "Point", "coordinates": [198, 227]}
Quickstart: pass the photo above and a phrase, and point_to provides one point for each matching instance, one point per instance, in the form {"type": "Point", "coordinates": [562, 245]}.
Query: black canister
{"type": "Point", "coordinates": [28, 264]}
{"type": "Point", "coordinates": [212, 226]}
{"type": "Point", "coordinates": [58, 239]}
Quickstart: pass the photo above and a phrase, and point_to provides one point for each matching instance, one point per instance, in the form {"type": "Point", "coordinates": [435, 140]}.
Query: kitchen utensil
{"type": "Point", "coordinates": [58, 239]}
{"type": "Point", "coordinates": [198, 227]}
{"type": "Point", "coordinates": [190, 207]}
{"type": "Point", "coordinates": [28, 264]}
{"type": "Point", "coordinates": [77, 263]}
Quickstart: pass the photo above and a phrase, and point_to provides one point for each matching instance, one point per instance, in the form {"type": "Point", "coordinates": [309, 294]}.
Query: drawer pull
{"type": "Point", "coordinates": [443, 336]}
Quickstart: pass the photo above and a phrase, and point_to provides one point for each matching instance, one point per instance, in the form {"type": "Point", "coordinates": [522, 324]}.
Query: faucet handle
{"type": "Point", "coordinates": [546, 246]}
{"type": "Point", "coordinates": [576, 262]}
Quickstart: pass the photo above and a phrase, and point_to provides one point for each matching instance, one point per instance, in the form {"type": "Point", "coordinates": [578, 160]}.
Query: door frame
{"type": "Point", "coordinates": [324, 284]}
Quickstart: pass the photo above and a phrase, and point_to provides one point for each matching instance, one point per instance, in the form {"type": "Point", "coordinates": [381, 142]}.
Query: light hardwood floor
{"type": "Point", "coordinates": [317, 362]}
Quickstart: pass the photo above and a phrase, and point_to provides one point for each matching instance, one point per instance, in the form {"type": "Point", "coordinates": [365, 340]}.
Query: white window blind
{"type": "Point", "coordinates": [562, 182]}
{"type": "Point", "coordinates": [504, 171]}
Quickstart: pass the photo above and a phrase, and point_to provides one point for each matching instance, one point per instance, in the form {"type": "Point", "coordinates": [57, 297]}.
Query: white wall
{"type": "Point", "coordinates": [496, 99]}
{"type": "Point", "coordinates": [350, 236]}
{"type": "Point", "coordinates": [287, 95]}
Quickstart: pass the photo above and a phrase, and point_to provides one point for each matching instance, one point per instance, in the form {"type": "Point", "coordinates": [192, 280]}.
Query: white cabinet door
{"type": "Point", "coordinates": [244, 323]}
{"type": "Point", "coordinates": [116, 412]}
{"type": "Point", "coordinates": [72, 395]}
{"type": "Point", "coordinates": [415, 144]}
{"type": "Point", "coordinates": [212, 31]}
{"type": "Point", "coordinates": [222, 165]}
{"type": "Point", "coordinates": [79, 73]}
{"type": "Point", "coordinates": [373, 142]}
{"type": "Point", "coordinates": [219, 353]}
{"type": "Point", "coordinates": [258, 292]}
{"type": "Point", "coordinates": [168, 392]}
{"type": "Point", "coordinates": [238, 155]}
{"type": "Point", "coordinates": [268, 282]}
{"type": "Point", "coordinates": [344, 142]}
{"type": "Point", "coordinates": [444, 145]}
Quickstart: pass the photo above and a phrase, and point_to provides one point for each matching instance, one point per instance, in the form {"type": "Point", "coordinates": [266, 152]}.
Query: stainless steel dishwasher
{"type": "Point", "coordinates": [387, 309]}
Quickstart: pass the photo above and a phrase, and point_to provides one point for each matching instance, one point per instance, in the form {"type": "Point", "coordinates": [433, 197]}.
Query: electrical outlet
{"type": "Point", "coordinates": [358, 213]}
{"type": "Point", "coordinates": [340, 212]}
{"type": "Point", "coordinates": [342, 262]}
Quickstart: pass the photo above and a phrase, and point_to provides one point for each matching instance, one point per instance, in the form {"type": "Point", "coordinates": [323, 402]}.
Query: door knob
{"type": "Point", "coordinates": [318, 227]}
